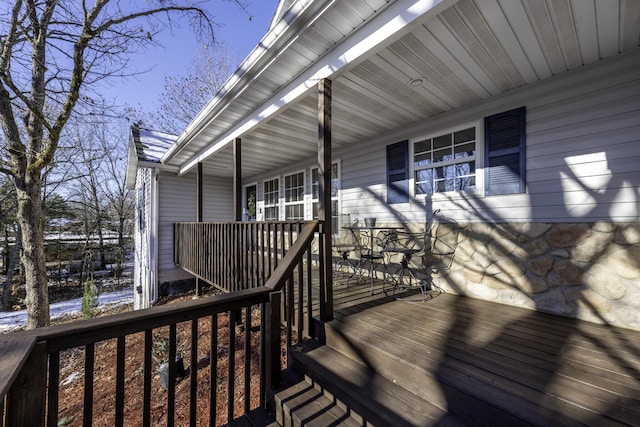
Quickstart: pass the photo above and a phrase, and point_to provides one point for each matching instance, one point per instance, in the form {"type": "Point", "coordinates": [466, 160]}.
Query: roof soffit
{"type": "Point", "coordinates": [384, 26]}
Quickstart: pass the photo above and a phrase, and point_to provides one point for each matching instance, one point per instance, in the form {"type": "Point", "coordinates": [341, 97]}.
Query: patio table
{"type": "Point", "coordinates": [368, 252]}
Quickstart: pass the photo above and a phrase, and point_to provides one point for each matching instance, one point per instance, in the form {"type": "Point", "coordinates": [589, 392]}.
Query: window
{"type": "Point", "coordinates": [294, 196]}
{"type": "Point", "coordinates": [271, 200]}
{"type": "Point", "coordinates": [398, 172]}
{"type": "Point", "coordinates": [504, 136]}
{"type": "Point", "coordinates": [315, 193]}
{"type": "Point", "coordinates": [446, 162]}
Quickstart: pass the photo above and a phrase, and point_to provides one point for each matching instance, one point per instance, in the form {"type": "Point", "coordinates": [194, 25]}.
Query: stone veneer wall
{"type": "Point", "coordinates": [589, 271]}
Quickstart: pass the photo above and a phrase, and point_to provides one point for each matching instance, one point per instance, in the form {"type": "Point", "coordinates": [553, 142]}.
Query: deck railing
{"type": "Point", "coordinates": [34, 381]}
{"type": "Point", "coordinates": [233, 256]}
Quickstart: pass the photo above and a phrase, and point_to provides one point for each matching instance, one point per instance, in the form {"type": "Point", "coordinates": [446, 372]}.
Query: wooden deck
{"type": "Point", "coordinates": [485, 363]}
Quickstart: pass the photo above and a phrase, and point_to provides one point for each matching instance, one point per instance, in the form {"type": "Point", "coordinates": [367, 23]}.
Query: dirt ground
{"type": "Point", "coordinates": [72, 375]}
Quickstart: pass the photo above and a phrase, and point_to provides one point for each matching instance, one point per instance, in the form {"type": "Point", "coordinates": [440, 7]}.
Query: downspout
{"type": "Point", "coordinates": [153, 265]}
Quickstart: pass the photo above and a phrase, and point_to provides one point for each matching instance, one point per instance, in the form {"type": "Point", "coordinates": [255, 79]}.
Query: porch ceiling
{"type": "Point", "coordinates": [462, 51]}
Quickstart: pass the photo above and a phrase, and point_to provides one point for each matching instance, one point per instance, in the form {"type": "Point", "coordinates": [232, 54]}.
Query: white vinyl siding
{"type": "Point", "coordinates": [142, 239]}
{"type": "Point", "coordinates": [582, 155]}
{"type": "Point", "coordinates": [177, 203]}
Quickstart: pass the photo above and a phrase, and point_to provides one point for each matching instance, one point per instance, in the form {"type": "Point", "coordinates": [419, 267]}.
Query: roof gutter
{"type": "Point", "coordinates": [261, 57]}
{"type": "Point", "coordinates": [384, 27]}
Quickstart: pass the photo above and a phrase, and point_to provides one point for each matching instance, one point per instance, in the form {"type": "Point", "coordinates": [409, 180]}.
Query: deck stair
{"type": "Point", "coordinates": [461, 362]}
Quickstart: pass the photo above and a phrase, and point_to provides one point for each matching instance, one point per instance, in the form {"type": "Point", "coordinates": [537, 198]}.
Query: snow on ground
{"type": "Point", "coordinates": [11, 320]}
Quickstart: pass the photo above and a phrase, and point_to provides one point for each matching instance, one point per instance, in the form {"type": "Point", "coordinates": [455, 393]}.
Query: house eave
{"type": "Point", "coordinates": [261, 57]}
{"type": "Point", "coordinates": [383, 28]}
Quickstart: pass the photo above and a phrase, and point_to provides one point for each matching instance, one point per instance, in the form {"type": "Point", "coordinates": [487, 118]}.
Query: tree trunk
{"type": "Point", "coordinates": [103, 257]}
{"type": "Point", "coordinates": [31, 220]}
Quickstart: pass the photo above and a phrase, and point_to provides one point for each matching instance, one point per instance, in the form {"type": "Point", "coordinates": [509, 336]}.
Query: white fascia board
{"type": "Point", "coordinates": [159, 166]}
{"type": "Point", "coordinates": [132, 165]}
{"type": "Point", "coordinates": [382, 28]}
{"type": "Point", "coordinates": [235, 84]}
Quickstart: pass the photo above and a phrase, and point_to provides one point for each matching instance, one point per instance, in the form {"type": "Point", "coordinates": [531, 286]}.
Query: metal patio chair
{"type": "Point", "coordinates": [345, 243]}
{"type": "Point", "coordinates": [436, 254]}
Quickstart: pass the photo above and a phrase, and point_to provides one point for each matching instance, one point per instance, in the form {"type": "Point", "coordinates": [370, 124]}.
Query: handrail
{"type": "Point", "coordinates": [62, 337]}
{"type": "Point", "coordinates": [33, 358]}
{"type": "Point", "coordinates": [14, 351]}
{"type": "Point", "coordinates": [293, 256]}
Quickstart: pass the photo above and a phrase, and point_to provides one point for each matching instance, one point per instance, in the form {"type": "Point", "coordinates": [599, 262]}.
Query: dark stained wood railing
{"type": "Point", "coordinates": [33, 377]}
{"type": "Point", "coordinates": [232, 256]}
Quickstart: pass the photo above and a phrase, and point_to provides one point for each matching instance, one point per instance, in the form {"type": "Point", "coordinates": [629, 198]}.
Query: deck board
{"type": "Point", "coordinates": [532, 363]}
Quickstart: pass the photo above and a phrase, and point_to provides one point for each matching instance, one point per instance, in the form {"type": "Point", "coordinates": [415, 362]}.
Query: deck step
{"type": "Point", "coordinates": [256, 418]}
{"type": "Point", "coordinates": [300, 402]}
{"type": "Point", "coordinates": [372, 399]}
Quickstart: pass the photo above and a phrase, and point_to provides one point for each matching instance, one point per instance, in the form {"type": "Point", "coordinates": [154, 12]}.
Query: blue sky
{"type": "Point", "coordinates": [239, 34]}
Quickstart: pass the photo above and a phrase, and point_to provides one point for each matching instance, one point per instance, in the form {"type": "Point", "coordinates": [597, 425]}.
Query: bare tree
{"type": "Point", "coordinates": [51, 53]}
{"type": "Point", "coordinates": [119, 199]}
{"type": "Point", "coordinates": [100, 193]}
{"type": "Point", "coordinates": [184, 95]}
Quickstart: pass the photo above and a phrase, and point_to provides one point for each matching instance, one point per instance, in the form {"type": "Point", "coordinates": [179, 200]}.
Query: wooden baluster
{"type": "Point", "coordinates": [247, 359]}
{"type": "Point", "coordinates": [231, 386]}
{"type": "Point", "coordinates": [272, 344]}
{"type": "Point", "coordinates": [171, 386]}
{"type": "Point", "coordinates": [193, 374]}
{"type": "Point", "coordinates": [120, 364]}
{"type": "Point", "coordinates": [89, 362]}
{"type": "Point", "coordinates": [146, 409]}
{"type": "Point", "coordinates": [53, 389]}
{"type": "Point", "coordinates": [213, 370]}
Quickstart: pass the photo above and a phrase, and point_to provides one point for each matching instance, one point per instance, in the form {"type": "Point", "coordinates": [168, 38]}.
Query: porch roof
{"type": "Point", "coordinates": [392, 64]}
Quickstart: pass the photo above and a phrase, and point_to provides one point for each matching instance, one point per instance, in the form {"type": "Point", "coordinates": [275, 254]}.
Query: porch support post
{"type": "Point", "coordinates": [237, 180]}
{"type": "Point", "coordinates": [199, 196]}
{"type": "Point", "coordinates": [324, 198]}
{"type": "Point", "coordinates": [199, 216]}
{"type": "Point", "coordinates": [26, 400]}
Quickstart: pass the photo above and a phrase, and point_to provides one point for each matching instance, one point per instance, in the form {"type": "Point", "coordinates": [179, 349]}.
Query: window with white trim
{"type": "Point", "coordinates": [446, 162]}
{"type": "Point", "coordinates": [294, 196]}
{"type": "Point", "coordinates": [271, 196]}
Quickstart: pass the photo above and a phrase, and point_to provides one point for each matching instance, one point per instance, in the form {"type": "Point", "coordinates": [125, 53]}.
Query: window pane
{"type": "Point", "coordinates": [294, 187]}
{"type": "Point", "coordinates": [464, 150]}
{"type": "Point", "coordinates": [271, 200]}
{"type": "Point", "coordinates": [464, 135]}
{"type": "Point", "coordinates": [424, 181]}
{"type": "Point", "coordinates": [457, 151]}
{"type": "Point", "coordinates": [335, 183]}
{"type": "Point", "coordinates": [442, 141]}
{"type": "Point", "coordinates": [422, 146]}
{"type": "Point", "coordinates": [294, 212]}
{"type": "Point", "coordinates": [271, 213]}
{"type": "Point", "coordinates": [422, 159]}
{"type": "Point", "coordinates": [442, 155]}
{"type": "Point", "coordinates": [465, 183]}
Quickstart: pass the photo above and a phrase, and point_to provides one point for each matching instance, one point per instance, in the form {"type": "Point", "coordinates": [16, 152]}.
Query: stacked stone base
{"type": "Point", "coordinates": [589, 271]}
